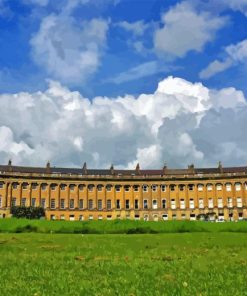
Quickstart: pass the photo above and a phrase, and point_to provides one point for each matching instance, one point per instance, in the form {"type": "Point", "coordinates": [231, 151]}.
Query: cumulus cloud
{"type": "Point", "coordinates": [69, 51]}
{"type": "Point", "coordinates": [137, 28]}
{"type": "Point", "coordinates": [184, 29]}
{"type": "Point", "coordinates": [181, 122]}
{"type": "Point", "coordinates": [234, 54]}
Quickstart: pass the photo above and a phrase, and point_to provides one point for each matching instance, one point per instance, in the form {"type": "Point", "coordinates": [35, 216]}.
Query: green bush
{"type": "Point", "coordinates": [28, 212]}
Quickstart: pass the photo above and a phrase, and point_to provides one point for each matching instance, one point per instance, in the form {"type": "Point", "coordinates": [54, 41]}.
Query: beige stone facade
{"type": "Point", "coordinates": [166, 194]}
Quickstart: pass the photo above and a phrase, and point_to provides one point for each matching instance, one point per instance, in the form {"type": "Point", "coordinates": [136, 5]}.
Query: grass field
{"type": "Point", "coordinates": [207, 263]}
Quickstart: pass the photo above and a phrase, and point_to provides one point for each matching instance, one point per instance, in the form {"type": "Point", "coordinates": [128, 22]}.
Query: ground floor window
{"type": "Point", "coordinates": [165, 217]}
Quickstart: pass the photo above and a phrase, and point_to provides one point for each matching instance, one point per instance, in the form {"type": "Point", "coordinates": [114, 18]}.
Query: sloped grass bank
{"type": "Point", "coordinates": [117, 226]}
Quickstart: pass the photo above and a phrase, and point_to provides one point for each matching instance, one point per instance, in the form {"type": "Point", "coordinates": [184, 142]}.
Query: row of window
{"type": "Point", "coordinates": [154, 205]}
{"type": "Point", "coordinates": [127, 188]}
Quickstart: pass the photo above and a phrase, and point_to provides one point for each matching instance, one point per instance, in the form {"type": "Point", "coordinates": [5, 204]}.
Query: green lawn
{"type": "Point", "coordinates": [206, 263]}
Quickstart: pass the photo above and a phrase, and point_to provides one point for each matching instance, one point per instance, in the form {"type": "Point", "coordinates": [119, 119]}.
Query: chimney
{"type": "Point", "coordinates": [191, 168]}
{"type": "Point", "coordinates": [112, 169]}
{"type": "Point", "coordinates": [84, 168]}
{"type": "Point", "coordinates": [138, 169]}
{"type": "Point", "coordinates": [165, 168]}
{"type": "Point", "coordinates": [220, 167]}
{"type": "Point", "coordinates": [48, 167]}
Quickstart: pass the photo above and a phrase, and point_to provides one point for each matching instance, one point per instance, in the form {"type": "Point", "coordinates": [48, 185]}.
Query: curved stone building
{"type": "Point", "coordinates": [166, 194]}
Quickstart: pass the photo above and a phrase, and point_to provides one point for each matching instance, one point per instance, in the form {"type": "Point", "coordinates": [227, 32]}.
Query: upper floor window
{"type": "Point", "coordinates": [108, 187]}
{"type": "Point", "coordinates": [1, 185]}
{"type": "Point", "coordinates": [80, 186]}
{"type": "Point", "coordinates": [100, 204]}
{"type": "Point", "coordinates": [0, 201]}
{"type": "Point", "coordinates": [53, 203]}
{"type": "Point", "coordinates": [218, 187]}
{"type": "Point", "coordinates": [163, 203]}
{"type": "Point", "coordinates": [23, 202]}
{"type": "Point", "coordinates": [210, 203]}
{"type": "Point", "coordinates": [108, 204]}
{"type": "Point", "coordinates": [13, 201]}
{"type": "Point", "coordinates": [172, 187]}
{"type": "Point", "coordinates": [229, 202]}
{"type": "Point", "coordinates": [127, 204]}
{"type": "Point", "coordinates": [163, 188]}
{"type": "Point", "coordinates": [209, 187]}
{"type": "Point", "coordinates": [99, 187]}
{"type": "Point", "coordinates": [239, 202]}
{"type": "Point", "coordinates": [90, 204]}
{"type": "Point", "coordinates": [145, 188]}
{"type": "Point", "coordinates": [154, 188]}
{"type": "Point", "coordinates": [43, 203]}
{"type": "Point", "coordinates": [173, 204]}
{"type": "Point", "coordinates": [191, 187]}
{"type": "Point", "coordinates": [228, 186]}
{"type": "Point", "coordinates": [81, 205]}
{"type": "Point", "coordinates": [136, 204]}
{"type": "Point", "coordinates": [220, 203]}
{"type": "Point", "coordinates": [136, 188]}
{"type": "Point", "coordinates": [34, 186]}
{"type": "Point", "coordinates": [182, 204]}
{"type": "Point", "coordinates": [33, 202]}
{"type": "Point", "coordinates": [15, 185]}
{"type": "Point", "coordinates": [71, 187]}
{"type": "Point", "coordinates": [200, 187]}
{"type": "Point", "coordinates": [145, 203]}
{"type": "Point", "coordinates": [90, 187]}
{"type": "Point", "coordinates": [192, 203]}
{"type": "Point", "coordinates": [238, 186]}
{"type": "Point", "coordinates": [118, 188]}
{"type": "Point", "coordinates": [53, 187]}
{"type": "Point", "coordinates": [201, 203]}
{"type": "Point", "coordinates": [63, 186]}
{"type": "Point", "coordinates": [126, 188]}
{"type": "Point", "coordinates": [24, 186]}
{"type": "Point", "coordinates": [71, 203]}
{"type": "Point", "coordinates": [155, 204]}
{"type": "Point", "coordinates": [43, 186]}
{"type": "Point", "coordinates": [62, 203]}
{"type": "Point", "coordinates": [118, 204]}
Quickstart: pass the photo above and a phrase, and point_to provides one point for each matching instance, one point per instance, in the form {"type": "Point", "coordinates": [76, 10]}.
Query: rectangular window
{"type": "Point", "coordinates": [0, 201]}
{"type": "Point", "coordinates": [220, 203]}
{"type": "Point", "coordinates": [90, 188]}
{"type": "Point", "coordinates": [81, 204]}
{"type": "Point", "coordinates": [182, 204]}
{"type": "Point", "coordinates": [24, 186]}
{"type": "Point", "coordinates": [200, 187]}
{"type": "Point", "coordinates": [192, 203]}
{"type": "Point", "coordinates": [163, 203]}
{"type": "Point", "coordinates": [191, 187]}
{"type": "Point", "coordinates": [229, 202]}
{"type": "Point", "coordinates": [1, 185]}
{"type": "Point", "coordinates": [127, 188]}
{"type": "Point", "coordinates": [136, 188]}
{"type": "Point", "coordinates": [43, 186]}
{"type": "Point", "coordinates": [218, 187]}
{"type": "Point", "coordinates": [23, 202]}
{"type": "Point", "coordinates": [99, 188]}
{"type": "Point", "coordinates": [127, 204]}
{"type": "Point", "coordinates": [34, 186]}
{"type": "Point", "coordinates": [239, 202]}
{"type": "Point", "coordinates": [118, 188]}
{"type": "Point", "coordinates": [71, 203]}
{"type": "Point", "coordinates": [163, 188]}
{"type": "Point", "coordinates": [210, 203]}
{"type": "Point", "coordinates": [173, 204]}
{"type": "Point", "coordinates": [155, 204]}
{"type": "Point", "coordinates": [43, 203]}
{"type": "Point", "coordinates": [145, 188]}
{"type": "Point", "coordinates": [154, 188]}
{"type": "Point", "coordinates": [136, 203]}
{"type": "Point", "coordinates": [13, 202]}
{"type": "Point", "coordinates": [53, 203]}
{"type": "Point", "coordinates": [72, 187]}
{"type": "Point", "coordinates": [62, 187]}
{"type": "Point", "coordinates": [33, 201]}
{"type": "Point", "coordinates": [118, 204]}
{"type": "Point", "coordinates": [228, 187]}
{"type": "Point", "coordinates": [108, 187]}
{"type": "Point", "coordinates": [90, 204]}
{"type": "Point", "coordinates": [201, 203]}
{"type": "Point", "coordinates": [145, 204]}
{"type": "Point", "coordinates": [209, 187]}
{"type": "Point", "coordinates": [62, 203]}
{"type": "Point", "coordinates": [15, 185]}
{"type": "Point", "coordinates": [100, 204]}
{"type": "Point", "coordinates": [108, 204]}
{"type": "Point", "coordinates": [238, 187]}
{"type": "Point", "coordinates": [172, 187]}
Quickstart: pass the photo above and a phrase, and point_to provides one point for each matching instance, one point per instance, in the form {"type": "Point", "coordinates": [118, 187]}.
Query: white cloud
{"type": "Point", "coordinates": [69, 51]}
{"type": "Point", "coordinates": [37, 2]}
{"type": "Point", "coordinates": [181, 122]}
{"type": "Point", "coordinates": [137, 28]}
{"type": "Point", "coordinates": [184, 29]}
{"type": "Point", "coordinates": [143, 70]}
{"type": "Point", "coordinates": [235, 54]}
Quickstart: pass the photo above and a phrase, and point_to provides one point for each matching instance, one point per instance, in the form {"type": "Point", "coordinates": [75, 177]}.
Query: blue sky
{"type": "Point", "coordinates": [124, 50]}
{"type": "Point", "coordinates": [124, 80]}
